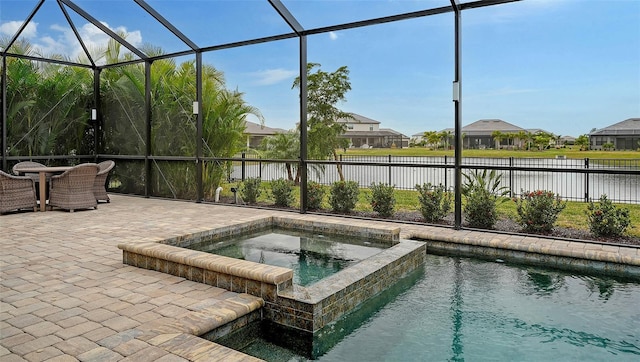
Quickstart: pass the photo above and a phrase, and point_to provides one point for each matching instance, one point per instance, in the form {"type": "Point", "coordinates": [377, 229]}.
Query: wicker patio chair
{"type": "Point", "coordinates": [17, 192]}
{"type": "Point", "coordinates": [99, 185]}
{"type": "Point", "coordinates": [34, 175]}
{"type": "Point", "coordinates": [73, 189]}
{"type": "Point", "coordinates": [27, 164]}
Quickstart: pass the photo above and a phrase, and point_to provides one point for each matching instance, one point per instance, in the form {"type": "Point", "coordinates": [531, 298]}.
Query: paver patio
{"type": "Point", "coordinates": [67, 296]}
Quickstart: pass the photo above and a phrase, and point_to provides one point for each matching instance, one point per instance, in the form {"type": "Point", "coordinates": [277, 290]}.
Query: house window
{"type": "Point", "coordinates": [370, 128]}
{"type": "Point", "coordinates": [349, 126]}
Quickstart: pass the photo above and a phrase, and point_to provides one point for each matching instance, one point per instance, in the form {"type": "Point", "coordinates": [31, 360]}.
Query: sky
{"type": "Point", "coordinates": [564, 66]}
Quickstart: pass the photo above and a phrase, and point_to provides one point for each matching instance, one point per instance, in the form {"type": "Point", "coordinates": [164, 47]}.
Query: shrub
{"type": "Point", "coordinates": [250, 190]}
{"type": "Point", "coordinates": [435, 202]}
{"type": "Point", "coordinates": [343, 196]}
{"type": "Point", "coordinates": [538, 210]}
{"type": "Point", "coordinates": [482, 191]}
{"type": "Point", "coordinates": [315, 194]}
{"type": "Point", "coordinates": [480, 209]}
{"type": "Point", "coordinates": [605, 219]}
{"type": "Point", "coordinates": [382, 199]}
{"type": "Point", "coordinates": [282, 191]}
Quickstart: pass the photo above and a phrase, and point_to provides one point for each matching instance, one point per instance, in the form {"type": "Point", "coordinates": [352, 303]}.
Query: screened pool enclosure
{"type": "Point", "coordinates": [164, 87]}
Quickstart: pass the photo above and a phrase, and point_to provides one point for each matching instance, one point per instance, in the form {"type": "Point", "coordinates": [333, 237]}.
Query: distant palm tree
{"type": "Point", "coordinates": [283, 146]}
{"type": "Point", "coordinates": [445, 137]}
{"type": "Point", "coordinates": [521, 137]}
{"type": "Point", "coordinates": [583, 142]}
{"type": "Point", "coordinates": [432, 138]}
{"type": "Point", "coordinates": [498, 137]}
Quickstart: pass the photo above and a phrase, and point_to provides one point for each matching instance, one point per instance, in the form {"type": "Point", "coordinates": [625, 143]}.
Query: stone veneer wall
{"type": "Point", "coordinates": [312, 308]}
{"type": "Point", "coordinates": [308, 309]}
{"type": "Point", "coordinates": [235, 275]}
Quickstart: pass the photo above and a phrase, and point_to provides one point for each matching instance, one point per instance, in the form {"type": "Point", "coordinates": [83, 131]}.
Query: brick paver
{"type": "Point", "coordinates": [67, 296]}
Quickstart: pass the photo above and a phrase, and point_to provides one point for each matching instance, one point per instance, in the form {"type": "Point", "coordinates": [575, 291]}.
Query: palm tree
{"type": "Point", "coordinates": [174, 126]}
{"type": "Point", "coordinates": [445, 137]}
{"type": "Point", "coordinates": [521, 137]}
{"type": "Point", "coordinates": [432, 138]}
{"type": "Point", "coordinates": [283, 146]}
{"type": "Point", "coordinates": [47, 106]}
{"type": "Point", "coordinates": [497, 136]}
{"type": "Point", "coordinates": [583, 142]}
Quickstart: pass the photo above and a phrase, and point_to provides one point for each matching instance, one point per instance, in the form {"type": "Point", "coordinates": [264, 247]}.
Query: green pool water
{"type": "Point", "coordinates": [461, 309]}
{"type": "Point", "coordinates": [312, 256]}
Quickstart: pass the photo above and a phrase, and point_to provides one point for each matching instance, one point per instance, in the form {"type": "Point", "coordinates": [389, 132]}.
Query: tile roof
{"type": "Point", "coordinates": [630, 126]}
{"type": "Point", "coordinates": [257, 129]}
{"type": "Point", "coordinates": [489, 126]}
{"type": "Point", "coordinates": [357, 119]}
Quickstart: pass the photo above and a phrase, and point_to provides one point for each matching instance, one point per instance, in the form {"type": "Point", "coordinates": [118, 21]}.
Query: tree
{"type": "Point", "coordinates": [47, 106]}
{"type": "Point", "coordinates": [522, 137]}
{"type": "Point", "coordinates": [173, 89]}
{"type": "Point", "coordinates": [283, 146]}
{"type": "Point", "coordinates": [558, 140]}
{"type": "Point", "coordinates": [432, 138]}
{"type": "Point", "coordinates": [510, 137]}
{"type": "Point", "coordinates": [324, 91]}
{"type": "Point", "coordinates": [498, 137]}
{"type": "Point", "coordinates": [542, 140]}
{"type": "Point", "coordinates": [583, 142]}
{"type": "Point", "coordinates": [445, 138]}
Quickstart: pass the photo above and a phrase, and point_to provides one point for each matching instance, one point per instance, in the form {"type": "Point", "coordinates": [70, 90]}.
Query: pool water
{"type": "Point", "coordinates": [468, 309]}
{"type": "Point", "coordinates": [312, 256]}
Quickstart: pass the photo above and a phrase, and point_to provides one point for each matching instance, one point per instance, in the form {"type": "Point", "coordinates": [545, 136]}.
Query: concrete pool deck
{"type": "Point", "coordinates": [67, 296]}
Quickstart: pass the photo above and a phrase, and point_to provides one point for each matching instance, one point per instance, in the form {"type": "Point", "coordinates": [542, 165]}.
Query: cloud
{"type": "Point", "coordinates": [333, 35]}
{"type": "Point", "coordinates": [95, 38]}
{"type": "Point", "coordinates": [10, 28]}
{"type": "Point", "coordinates": [61, 40]}
{"type": "Point", "coordinates": [273, 76]}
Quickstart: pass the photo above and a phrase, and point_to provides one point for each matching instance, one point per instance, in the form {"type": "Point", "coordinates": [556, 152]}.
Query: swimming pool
{"type": "Point", "coordinates": [311, 256]}
{"type": "Point", "coordinates": [469, 309]}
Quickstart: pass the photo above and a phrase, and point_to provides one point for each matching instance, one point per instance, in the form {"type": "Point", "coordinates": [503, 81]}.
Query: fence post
{"type": "Point", "coordinates": [446, 172]}
{"type": "Point", "coordinates": [243, 165]}
{"type": "Point", "coordinates": [586, 180]}
{"type": "Point", "coordinates": [260, 169]}
{"type": "Point", "coordinates": [389, 170]}
{"type": "Point", "coordinates": [511, 177]}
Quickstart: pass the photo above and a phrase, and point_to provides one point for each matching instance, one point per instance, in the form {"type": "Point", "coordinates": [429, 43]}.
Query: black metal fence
{"type": "Point", "coordinates": [572, 179]}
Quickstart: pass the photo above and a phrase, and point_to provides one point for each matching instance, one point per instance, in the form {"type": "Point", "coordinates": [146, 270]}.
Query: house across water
{"type": "Point", "coordinates": [623, 135]}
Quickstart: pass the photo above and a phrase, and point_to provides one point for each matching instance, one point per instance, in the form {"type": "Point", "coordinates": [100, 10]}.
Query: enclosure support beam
{"type": "Point", "coordinates": [303, 124]}
{"type": "Point", "coordinates": [199, 165]}
{"type": "Point", "coordinates": [3, 91]}
{"type": "Point", "coordinates": [457, 102]}
{"type": "Point", "coordinates": [147, 152]}
{"type": "Point", "coordinates": [97, 123]}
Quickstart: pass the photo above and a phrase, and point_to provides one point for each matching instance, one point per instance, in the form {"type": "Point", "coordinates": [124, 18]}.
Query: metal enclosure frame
{"type": "Point", "coordinates": [298, 31]}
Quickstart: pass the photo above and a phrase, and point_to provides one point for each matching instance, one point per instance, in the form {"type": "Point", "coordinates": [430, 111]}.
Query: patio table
{"type": "Point", "coordinates": [43, 172]}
